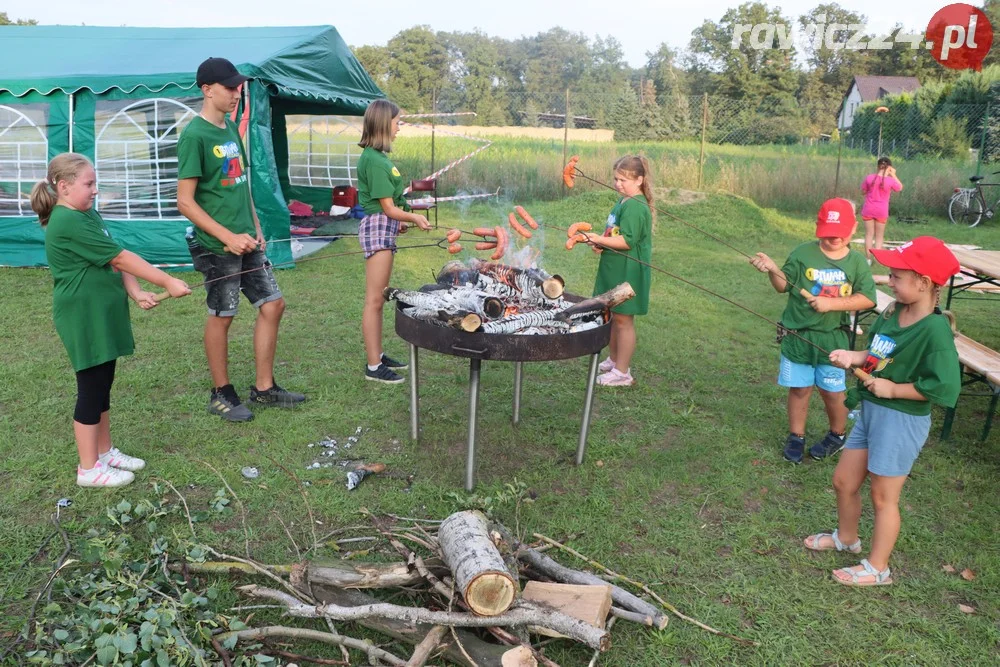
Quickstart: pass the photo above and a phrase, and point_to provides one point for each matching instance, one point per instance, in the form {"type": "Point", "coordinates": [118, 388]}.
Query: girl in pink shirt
{"type": "Point", "coordinates": [877, 188]}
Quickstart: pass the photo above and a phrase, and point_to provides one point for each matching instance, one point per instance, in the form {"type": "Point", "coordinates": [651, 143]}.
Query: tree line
{"type": "Point", "coordinates": [784, 94]}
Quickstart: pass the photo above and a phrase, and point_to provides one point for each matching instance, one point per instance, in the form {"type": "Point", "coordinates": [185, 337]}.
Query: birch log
{"type": "Point", "coordinates": [599, 303]}
{"type": "Point", "coordinates": [480, 573]}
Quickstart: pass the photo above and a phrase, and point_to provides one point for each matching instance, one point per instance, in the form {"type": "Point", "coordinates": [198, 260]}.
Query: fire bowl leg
{"type": "Point", "coordinates": [587, 405]}
{"type": "Point", "coordinates": [470, 459]}
{"type": "Point", "coordinates": [414, 395]}
{"type": "Point", "coordinates": [518, 377]}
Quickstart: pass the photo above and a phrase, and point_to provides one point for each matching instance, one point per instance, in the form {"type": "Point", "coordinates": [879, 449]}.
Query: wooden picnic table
{"type": "Point", "coordinates": [980, 269]}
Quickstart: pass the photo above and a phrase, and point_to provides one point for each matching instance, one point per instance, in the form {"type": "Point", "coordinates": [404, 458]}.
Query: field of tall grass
{"type": "Point", "coordinates": [787, 178]}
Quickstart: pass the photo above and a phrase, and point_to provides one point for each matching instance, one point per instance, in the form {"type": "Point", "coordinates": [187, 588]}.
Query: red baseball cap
{"type": "Point", "coordinates": [835, 219]}
{"type": "Point", "coordinates": [926, 255]}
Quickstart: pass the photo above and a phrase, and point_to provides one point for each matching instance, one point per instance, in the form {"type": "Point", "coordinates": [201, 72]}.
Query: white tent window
{"type": "Point", "coordinates": [136, 152]}
{"type": "Point", "coordinates": [323, 151]}
{"type": "Point", "coordinates": [24, 150]}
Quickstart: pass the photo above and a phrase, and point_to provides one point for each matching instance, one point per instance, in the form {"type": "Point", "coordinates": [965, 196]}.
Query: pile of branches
{"type": "Point", "coordinates": [490, 297]}
{"type": "Point", "coordinates": [468, 582]}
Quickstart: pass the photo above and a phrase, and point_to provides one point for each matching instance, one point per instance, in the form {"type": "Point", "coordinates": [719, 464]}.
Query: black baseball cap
{"type": "Point", "coordinates": [218, 70]}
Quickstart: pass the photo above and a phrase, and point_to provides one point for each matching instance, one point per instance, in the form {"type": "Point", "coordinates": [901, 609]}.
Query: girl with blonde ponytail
{"type": "Point", "coordinates": [628, 235]}
{"type": "Point", "coordinates": [92, 275]}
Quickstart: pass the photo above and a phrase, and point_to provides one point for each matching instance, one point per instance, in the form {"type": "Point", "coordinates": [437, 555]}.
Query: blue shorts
{"type": "Point", "coordinates": [893, 438]}
{"type": "Point", "coordinates": [826, 377]}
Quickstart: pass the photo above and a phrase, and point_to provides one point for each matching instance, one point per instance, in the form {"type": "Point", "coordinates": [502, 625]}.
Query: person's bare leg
{"type": "Point", "coordinates": [798, 409]}
{"type": "Point", "coordinates": [836, 411]}
{"type": "Point", "coordinates": [613, 347]}
{"type": "Point", "coordinates": [879, 235]}
{"type": "Point", "coordinates": [623, 327]}
{"type": "Point", "coordinates": [104, 433]}
{"type": "Point", "coordinates": [869, 236]}
{"type": "Point", "coordinates": [885, 497]}
{"type": "Point", "coordinates": [378, 269]}
{"type": "Point", "coordinates": [265, 341]}
{"type": "Point", "coordinates": [849, 476]}
{"type": "Point", "coordinates": [86, 436]}
{"type": "Point", "coordinates": [217, 348]}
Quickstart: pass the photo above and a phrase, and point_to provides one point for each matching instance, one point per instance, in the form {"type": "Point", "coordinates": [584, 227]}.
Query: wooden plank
{"type": "Point", "coordinates": [590, 604]}
{"type": "Point", "coordinates": [977, 356]}
{"type": "Point", "coordinates": [882, 300]}
{"type": "Point", "coordinates": [983, 262]}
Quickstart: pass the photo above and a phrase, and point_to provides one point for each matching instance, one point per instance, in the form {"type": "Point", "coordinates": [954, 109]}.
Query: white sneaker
{"type": "Point", "coordinates": [102, 475]}
{"type": "Point", "coordinates": [606, 365]}
{"type": "Point", "coordinates": [615, 378]}
{"type": "Point", "coordinates": [115, 459]}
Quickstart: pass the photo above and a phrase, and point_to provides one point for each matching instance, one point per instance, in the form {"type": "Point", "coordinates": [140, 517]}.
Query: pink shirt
{"type": "Point", "coordinates": [877, 190]}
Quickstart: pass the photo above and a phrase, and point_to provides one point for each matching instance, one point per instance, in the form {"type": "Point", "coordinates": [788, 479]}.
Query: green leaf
{"type": "Point", "coordinates": [60, 635]}
{"type": "Point", "coordinates": [106, 655]}
{"type": "Point", "coordinates": [230, 642]}
{"type": "Point", "coordinates": [263, 659]}
{"type": "Point", "coordinates": [51, 608]}
{"type": "Point", "coordinates": [162, 659]}
{"type": "Point", "coordinates": [124, 506]}
{"type": "Point", "coordinates": [103, 641]}
{"type": "Point", "coordinates": [238, 625]}
{"type": "Point", "coordinates": [212, 593]}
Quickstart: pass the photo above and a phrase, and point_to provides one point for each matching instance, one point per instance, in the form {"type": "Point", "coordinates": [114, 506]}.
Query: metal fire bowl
{"type": "Point", "coordinates": [502, 347]}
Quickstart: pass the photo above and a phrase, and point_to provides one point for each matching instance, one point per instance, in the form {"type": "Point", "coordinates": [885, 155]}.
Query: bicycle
{"type": "Point", "coordinates": [968, 205]}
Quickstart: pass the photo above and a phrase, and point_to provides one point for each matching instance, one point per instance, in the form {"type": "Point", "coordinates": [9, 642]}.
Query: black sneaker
{"type": "Point", "coordinates": [225, 403]}
{"type": "Point", "coordinates": [276, 396]}
{"type": "Point", "coordinates": [795, 446]}
{"type": "Point", "coordinates": [828, 446]}
{"type": "Point", "coordinates": [392, 364]}
{"type": "Point", "coordinates": [383, 374]}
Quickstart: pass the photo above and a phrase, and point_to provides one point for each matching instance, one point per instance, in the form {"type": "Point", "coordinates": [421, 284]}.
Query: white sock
{"type": "Point", "coordinates": [104, 457]}
{"type": "Point", "coordinates": [375, 367]}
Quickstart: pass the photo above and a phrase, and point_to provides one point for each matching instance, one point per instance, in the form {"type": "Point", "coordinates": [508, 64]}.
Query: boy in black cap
{"type": "Point", "coordinates": [213, 192]}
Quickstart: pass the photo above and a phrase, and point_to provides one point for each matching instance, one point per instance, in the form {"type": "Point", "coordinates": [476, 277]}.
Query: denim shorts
{"type": "Point", "coordinates": [223, 298]}
{"type": "Point", "coordinates": [826, 377]}
{"type": "Point", "coordinates": [893, 438]}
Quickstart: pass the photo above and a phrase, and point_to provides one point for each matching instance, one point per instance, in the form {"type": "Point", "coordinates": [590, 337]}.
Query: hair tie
{"type": "Point", "coordinates": [937, 310]}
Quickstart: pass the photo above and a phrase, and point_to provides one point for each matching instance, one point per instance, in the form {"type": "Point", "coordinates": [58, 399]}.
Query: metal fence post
{"type": "Point", "coordinates": [982, 140]}
{"type": "Point", "coordinates": [840, 149]}
{"type": "Point", "coordinates": [704, 126]}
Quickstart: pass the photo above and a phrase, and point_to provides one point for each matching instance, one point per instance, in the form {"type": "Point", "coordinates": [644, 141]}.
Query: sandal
{"type": "Point", "coordinates": [883, 578]}
{"type": "Point", "coordinates": [837, 544]}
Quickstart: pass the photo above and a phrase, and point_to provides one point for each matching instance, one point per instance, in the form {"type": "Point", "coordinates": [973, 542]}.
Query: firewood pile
{"type": "Point", "coordinates": [474, 595]}
{"type": "Point", "coordinates": [496, 298]}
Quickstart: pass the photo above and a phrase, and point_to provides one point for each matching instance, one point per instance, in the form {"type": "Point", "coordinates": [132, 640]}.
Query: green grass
{"type": "Point", "coordinates": [692, 495]}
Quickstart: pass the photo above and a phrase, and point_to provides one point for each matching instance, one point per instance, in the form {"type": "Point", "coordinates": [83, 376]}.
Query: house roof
{"type": "Point", "coordinates": [307, 64]}
{"type": "Point", "coordinates": [873, 88]}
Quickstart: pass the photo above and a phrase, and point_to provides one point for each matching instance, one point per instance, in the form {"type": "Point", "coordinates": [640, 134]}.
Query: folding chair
{"type": "Point", "coordinates": [422, 186]}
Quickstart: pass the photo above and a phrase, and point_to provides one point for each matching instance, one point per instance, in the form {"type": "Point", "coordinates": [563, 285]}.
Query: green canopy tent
{"type": "Point", "coordinates": [121, 96]}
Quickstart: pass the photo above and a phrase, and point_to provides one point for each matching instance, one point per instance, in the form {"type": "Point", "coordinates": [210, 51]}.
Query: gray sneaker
{"type": "Point", "coordinates": [226, 404]}
{"type": "Point", "coordinates": [276, 396]}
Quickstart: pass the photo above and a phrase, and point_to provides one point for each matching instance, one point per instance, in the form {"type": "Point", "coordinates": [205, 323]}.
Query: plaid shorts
{"type": "Point", "coordinates": [378, 232]}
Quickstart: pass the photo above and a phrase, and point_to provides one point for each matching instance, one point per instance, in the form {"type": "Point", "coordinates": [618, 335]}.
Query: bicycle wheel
{"type": "Point", "coordinates": [965, 208]}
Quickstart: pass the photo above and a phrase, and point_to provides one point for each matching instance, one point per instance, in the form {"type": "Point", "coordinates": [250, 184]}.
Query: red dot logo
{"type": "Point", "coordinates": [960, 36]}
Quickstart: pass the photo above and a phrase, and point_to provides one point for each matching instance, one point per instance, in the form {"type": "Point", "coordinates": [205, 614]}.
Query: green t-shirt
{"type": "Point", "coordinates": [215, 156]}
{"type": "Point", "coordinates": [808, 267]}
{"type": "Point", "coordinates": [922, 353]}
{"type": "Point", "coordinates": [631, 219]}
{"type": "Point", "coordinates": [378, 178]}
{"type": "Point", "coordinates": [89, 304]}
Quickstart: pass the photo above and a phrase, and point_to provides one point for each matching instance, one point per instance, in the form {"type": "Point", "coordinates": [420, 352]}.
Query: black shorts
{"type": "Point", "coordinates": [223, 298]}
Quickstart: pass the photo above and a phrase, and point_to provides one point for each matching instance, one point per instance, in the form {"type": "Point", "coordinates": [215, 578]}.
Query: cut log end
{"type": "Point", "coordinates": [494, 307]}
{"type": "Point", "coordinates": [490, 593]}
{"type": "Point", "coordinates": [553, 287]}
{"type": "Point", "coordinates": [471, 322]}
{"type": "Point", "coordinates": [519, 656]}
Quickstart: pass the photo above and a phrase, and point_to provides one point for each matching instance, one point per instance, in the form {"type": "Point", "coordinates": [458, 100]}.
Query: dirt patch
{"type": "Point", "coordinates": [678, 196]}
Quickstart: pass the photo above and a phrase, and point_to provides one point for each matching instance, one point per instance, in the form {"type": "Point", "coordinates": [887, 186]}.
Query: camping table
{"type": "Point", "coordinates": [981, 269]}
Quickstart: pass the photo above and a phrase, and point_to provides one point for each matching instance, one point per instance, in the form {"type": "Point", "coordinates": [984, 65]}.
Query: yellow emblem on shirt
{"type": "Point", "coordinates": [395, 172]}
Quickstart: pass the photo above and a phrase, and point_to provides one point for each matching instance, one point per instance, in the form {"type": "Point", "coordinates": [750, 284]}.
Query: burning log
{"type": "Point", "coordinates": [598, 304]}
{"type": "Point", "coordinates": [524, 280]}
{"type": "Point", "coordinates": [515, 323]}
{"type": "Point", "coordinates": [481, 575]}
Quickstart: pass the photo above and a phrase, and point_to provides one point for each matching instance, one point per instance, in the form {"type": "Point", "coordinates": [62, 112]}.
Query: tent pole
{"type": "Point", "coordinates": [71, 123]}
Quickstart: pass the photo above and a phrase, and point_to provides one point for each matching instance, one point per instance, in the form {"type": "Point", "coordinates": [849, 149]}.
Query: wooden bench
{"type": "Point", "coordinates": [980, 365]}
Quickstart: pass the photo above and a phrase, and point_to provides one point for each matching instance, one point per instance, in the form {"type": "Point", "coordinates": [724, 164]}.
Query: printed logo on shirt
{"type": "Point", "coordinates": [233, 172]}
{"type": "Point", "coordinates": [828, 282]}
{"type": "Point", "coordinates": [879, 354]}
{"type": "Point", "coordinates": [611, 227]}
{"type": "Point", "coordinates": [395, 172]}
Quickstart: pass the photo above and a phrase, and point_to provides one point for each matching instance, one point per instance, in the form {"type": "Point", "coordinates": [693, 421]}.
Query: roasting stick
{"type": "Point", "coordinates": [166, 295]}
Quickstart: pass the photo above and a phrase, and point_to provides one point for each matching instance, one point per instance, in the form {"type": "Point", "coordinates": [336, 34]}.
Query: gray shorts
{"type": "Point", "coordinates": [893, 438]}
{"type": "Point", "coordinates": [223, 293]}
